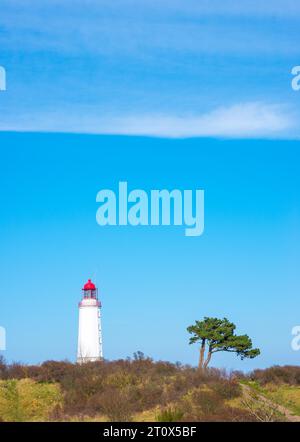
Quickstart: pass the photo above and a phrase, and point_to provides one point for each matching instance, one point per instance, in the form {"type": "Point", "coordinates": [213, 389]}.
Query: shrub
{"type": "Point", "coordinates": [227, 389]}
{"type": "Point", "coordinates": [3, 368]}
{"type": "Point", "coordinates": [207, 401]}
{"type": "Point", "coordinates": [170, 415]}
{"type": "Point", "coordinates": [16, 371]}
{"type": "Point", "coordinates": [287, 374]}
{"type": "Point", "coordinates": [115, 404]}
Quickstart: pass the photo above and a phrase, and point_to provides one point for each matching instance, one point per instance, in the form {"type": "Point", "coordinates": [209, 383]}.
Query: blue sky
{"type": "Point", "coordinates": [180, 95]}
{"type": "Point", "coordinates": [153, 281]}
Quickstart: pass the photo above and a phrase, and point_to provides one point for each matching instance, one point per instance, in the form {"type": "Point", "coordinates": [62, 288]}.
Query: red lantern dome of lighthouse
{"type": "Point", "coordinates": [89, 286]}
{"type": "Point", "coordinates": [90, 290]}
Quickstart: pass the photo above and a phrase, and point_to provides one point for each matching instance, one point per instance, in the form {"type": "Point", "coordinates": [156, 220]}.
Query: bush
{"type": "Point", "coordinates": [116, 405]}
{"type": "Point", "coordinates": [207, 401]}
{"type": "Point", "coordinates": [287, 374]}
{"type": "Point", "coordinates": [227, 389]}
{"type": "Point", "coordinates": [170, 415]}
{"type": "Point", "coordinates": [3, 368]}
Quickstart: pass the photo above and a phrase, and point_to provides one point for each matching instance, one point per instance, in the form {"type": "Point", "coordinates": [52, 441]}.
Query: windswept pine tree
{"type": "Point", "coordinates": [215, 335]}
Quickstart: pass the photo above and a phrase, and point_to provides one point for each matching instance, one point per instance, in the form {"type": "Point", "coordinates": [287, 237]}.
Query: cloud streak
{"type": "Point", "coordinates": [242, 120]}
{"type": "Point", "coordinates": [245, 120]}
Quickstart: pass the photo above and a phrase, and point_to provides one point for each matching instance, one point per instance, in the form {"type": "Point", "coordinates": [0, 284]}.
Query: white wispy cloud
{"type": "Point", "coordinates": [240, 120]}
{"type": "Point", "coordinates": [245, 120]}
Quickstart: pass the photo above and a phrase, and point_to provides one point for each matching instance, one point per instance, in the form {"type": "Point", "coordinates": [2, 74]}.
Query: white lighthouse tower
{"type": "Point", "coordinates": [89, 332]}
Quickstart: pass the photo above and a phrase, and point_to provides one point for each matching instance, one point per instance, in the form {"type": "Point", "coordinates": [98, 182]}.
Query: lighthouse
{"type": "Point", "coordinates": [89, 330]}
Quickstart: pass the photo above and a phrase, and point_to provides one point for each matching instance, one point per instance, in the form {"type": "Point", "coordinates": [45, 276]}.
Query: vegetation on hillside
{"type": "Point", "coordinates": [137, 389]}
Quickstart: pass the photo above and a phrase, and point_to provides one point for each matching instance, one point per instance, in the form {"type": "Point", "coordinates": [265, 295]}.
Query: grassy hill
{"type": "Point", "coordinates": [27, 400]}
{"type": "Point", "coordinates": [142, 390]}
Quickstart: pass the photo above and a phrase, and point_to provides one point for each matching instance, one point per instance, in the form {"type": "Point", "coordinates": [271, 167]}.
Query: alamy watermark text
{"type": "Point", "coordinates": [296, 78]}
{"type": "Point", "coordinates": [2, 79]}
{"type": "Point", "coordinates": [2, 339]}
{"type": "Point", "coordinates": [153, 208]}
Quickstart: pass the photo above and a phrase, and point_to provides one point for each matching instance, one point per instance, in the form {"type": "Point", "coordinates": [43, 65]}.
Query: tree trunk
{"type": "Point", "coordinates": [208, 358]}
{"type": "Point", "coordinates": [201, 358]}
